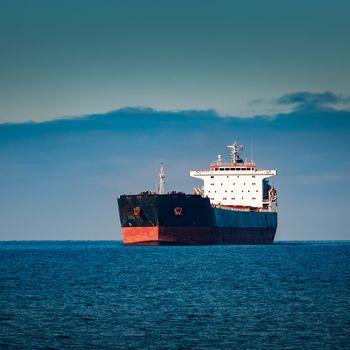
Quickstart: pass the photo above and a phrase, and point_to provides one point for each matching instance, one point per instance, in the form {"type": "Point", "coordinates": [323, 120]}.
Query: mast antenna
{"type": "Point", "coordinates": [234, 149]}
{"type": "Point", "coordinates": [161, 189]}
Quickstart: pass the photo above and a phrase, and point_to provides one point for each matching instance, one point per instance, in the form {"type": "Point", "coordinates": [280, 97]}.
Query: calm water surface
{"type": "Point", "coordinates": [102, 295]}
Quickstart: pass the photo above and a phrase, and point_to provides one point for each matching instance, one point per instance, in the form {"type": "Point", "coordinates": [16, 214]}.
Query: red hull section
{"type": "Point", "coordinates": [156, 235]}
{"type": "Point", "coordinates": [140, 235]}
{"type": "Point", "coordinates": [195, 235]}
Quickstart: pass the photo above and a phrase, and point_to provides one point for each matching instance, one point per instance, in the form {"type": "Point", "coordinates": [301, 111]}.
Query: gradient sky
{"type": "Point", "coordinates": [73, 57]}
{"type": "Point", "coordinates": [272, 73]}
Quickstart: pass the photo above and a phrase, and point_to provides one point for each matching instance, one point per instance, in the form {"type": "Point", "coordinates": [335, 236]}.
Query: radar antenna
{"type": "Point", "coordinates": [234, 149]}
{"type": "Point", "coordinates": [161, 189]}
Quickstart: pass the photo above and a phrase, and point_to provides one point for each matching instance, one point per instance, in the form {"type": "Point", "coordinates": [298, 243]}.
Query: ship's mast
{"type": "Point", "coordinates": [234, 149]}
{"type": "Point", "coordinates": [161, 189]}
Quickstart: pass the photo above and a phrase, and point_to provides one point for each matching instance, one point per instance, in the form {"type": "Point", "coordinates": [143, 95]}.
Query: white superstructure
{"type": "Point", "coordinates": [237, 183]}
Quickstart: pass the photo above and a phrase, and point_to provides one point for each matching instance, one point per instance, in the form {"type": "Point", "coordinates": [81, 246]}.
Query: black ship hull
{"type": "Point", "coordinates": [181, 219]}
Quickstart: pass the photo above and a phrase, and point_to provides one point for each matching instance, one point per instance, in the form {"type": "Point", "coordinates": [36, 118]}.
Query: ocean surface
{"type": "Point", "coordinates": [102, 295]}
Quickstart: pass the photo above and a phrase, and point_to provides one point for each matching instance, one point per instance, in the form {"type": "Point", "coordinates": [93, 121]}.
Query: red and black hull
{"type": "Point", "coordinates": [181, 219]}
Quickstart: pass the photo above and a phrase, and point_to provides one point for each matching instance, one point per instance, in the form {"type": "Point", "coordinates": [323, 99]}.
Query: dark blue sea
{"type": "Point", "coordinates": [102, 295]}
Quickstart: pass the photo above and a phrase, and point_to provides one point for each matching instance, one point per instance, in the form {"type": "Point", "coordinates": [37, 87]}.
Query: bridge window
{"type": "Point", "coordinates": [216, 169]}
{"type": "Point", "coordinates": [212, 177]}
{"type": "Point", "coordinates": [222, 169]}
{"type": "Point", "coordinates": [227, 168]}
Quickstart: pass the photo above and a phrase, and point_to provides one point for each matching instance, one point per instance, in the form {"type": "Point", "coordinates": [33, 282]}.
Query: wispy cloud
{"type": "Point", "coordinates": [305, 99]}
{"type": "Point", "coordinates": [302, 100]}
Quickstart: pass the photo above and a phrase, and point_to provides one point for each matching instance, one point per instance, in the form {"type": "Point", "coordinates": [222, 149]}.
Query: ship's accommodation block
{"type": "Point", "coordinates": [235, 186]}
{"type": "Point", "coordinates": [236, 183]}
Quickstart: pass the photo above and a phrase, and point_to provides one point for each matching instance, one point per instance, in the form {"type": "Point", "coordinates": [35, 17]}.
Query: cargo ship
{"type": "Point", "coordinates": [235, 205]}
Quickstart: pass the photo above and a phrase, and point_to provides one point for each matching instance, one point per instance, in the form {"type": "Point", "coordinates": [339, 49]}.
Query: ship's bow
{"type": "Point", "coordinates": [171, 219]}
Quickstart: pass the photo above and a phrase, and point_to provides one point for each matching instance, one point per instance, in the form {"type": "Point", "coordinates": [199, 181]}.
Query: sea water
{"type": "Point", "coordinates": [103, 295]}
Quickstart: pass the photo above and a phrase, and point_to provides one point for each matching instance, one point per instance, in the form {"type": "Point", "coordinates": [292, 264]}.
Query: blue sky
{"type": "Point", "coordinates": [183, 79]}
